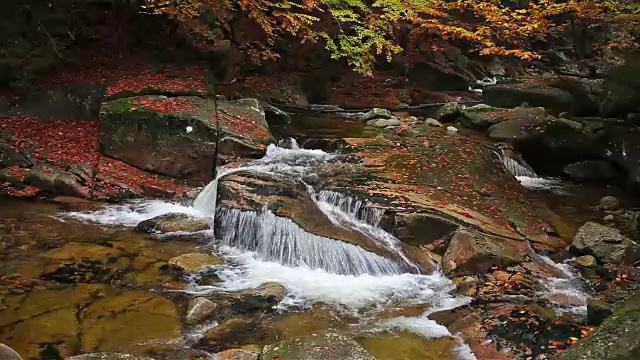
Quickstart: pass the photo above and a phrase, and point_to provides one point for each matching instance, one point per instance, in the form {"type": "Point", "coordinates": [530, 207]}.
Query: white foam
{"type": "Point", "coordinates": [132, 213]}
{"type": "Point", "coordinates": [307, 286]}
{"type": "Point", "coordinates": [546, 184]}
{"type": "Point", "coordinates": [571, 286]}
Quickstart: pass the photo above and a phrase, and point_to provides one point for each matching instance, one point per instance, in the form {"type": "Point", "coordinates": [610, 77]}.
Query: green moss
{"type": "Point", "coordinates": [117, 106]}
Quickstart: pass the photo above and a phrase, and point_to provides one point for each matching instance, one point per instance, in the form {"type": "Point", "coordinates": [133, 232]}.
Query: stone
{"type": "Point", "coordinates": [275, 116]}
{"type": "Point", "coordinates": [470, 253]}
{"type": "Point", "coordinates": [433, 122]}
{"type": "Point", "coordinates": [585, 101]}
{"type": "Point", "coordinates": [482, 117]}
{"type": "Point", "coordinates": [377, 113]}
{"type": "Point", "coordinates": [617, 338]}
{"type": "Point", "coordinates": [321, 346]}
{"type": "Point", "coordinates": [7, 353]}
{"type": "Point", "coordinates": [66, 184]}
{"type": "Point", "coordinates": [179, 136]}
{"type": "Point", "coordinates": [621, 146]}
{"type": "Point", "coordinates": [622, 88]}
{"type": "Point", "coordinates": [230, 333]}
{"type": "Point", "coordinates": [199, 309]}
{"type": "Point", "coordinates": [609, 203]}
{"type": "Point", "coordinates": [8, 175]}
{"type": "Point", "coordinates": [194, 261]}
{"type": "Point", "coordinates": [606, 244]}
{"type": "Point", "coordinates": [514, 95]}
{"type": "Point", "coordinates": [124, 321]}
{"type": "Point", "coordinates": [12, 155]}
{"type": "Point", "coordinates": [172, 223]}
{"type": "Point", "coordinates": [237, 354]}
{"type": "Point", "coordinates": [384, 123]}
{"type": "Point", "coordinates": [590, 171]}
{"type": "Point", "coordinates": [434, 76]}
{"type": "Point", "coordinates": [108, 356]}
{"type": "Point", "coordinates": [449, 112]}
{"type": "Point", "coordinates": [597, 312]}
{"type": "Point", "coordinates": [269, 290]}
{"type": "Point", "coordinates": [587, 261]}
{"type": "Point", "coordinates": [43, 177]}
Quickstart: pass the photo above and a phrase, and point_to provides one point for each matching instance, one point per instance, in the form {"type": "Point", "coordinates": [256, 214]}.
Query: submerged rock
{"type": "Point", "coordinates": [108, 356]}
{"type": "Point", "coordinates": [7, 353]}
{"type": "Point", "coordinates": [618, 338]}
{"type": "Point", "coordinates": [231, 333]}
{"type": "Point", "coordinates": [193, 262]}
{"type": "Point", "coordinates": [172, 223]}
{"type": "Point", "coordinates": [606, 244]}
{"type": "Point", "coordinates": [317, 347]}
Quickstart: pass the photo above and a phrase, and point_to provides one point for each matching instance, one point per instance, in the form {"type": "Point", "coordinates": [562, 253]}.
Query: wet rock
{"type": "Point", "coordinates": [433, 122]}
{"type": "Point", "coordinates": [377, 113]}
{"type": "Point", "coordinates": [12, 155]}
{"type": "Point", "coordinates": [618, 338]}
{"type": "Point", "coordinates": [606, 244]}
{"type": "Point", "coordinates": [590, 170]}
{"type": "Point", "coordinates": [433, 76]}
{"type": "Point", "coordinates": [193, 262]}
{"type": "Point", "coordinates": [621, 146]}
{"type": "Point", "coordinates": [199, 309]}
{"type": "Point", "coordinates": [229, 334]}
{"type": "Point", "coordinates": [598, 311]}
{"type": "Point", "coordinates": [171, 223]}
{"type": "Point", "coordinates": [237, 354]}
{"type": "Point", "coordinates": [108, 356]}
{"type": "Point", "coordinates": [128, 319]}
{"type": "Point", "coordinates": [449, 112]}
{"type": "Point", "coordinates": [269, 290]}
{"type": "Point", "coordinates": [422, 229]}
{"type": "Point", "coordinates": [317, 347]}
{"type": "Point", "coordinates": [273, 115]}
{"type": "Point", "coordinates": [383, 123]}
{"type": "Point", "coordinates": [471, 253]}
{"type": "Point", "coordinates": [6, 353]}
{"type": "Point", "coordinates": [67, 184]}
{"type": "Point", "coordinates": [178, 136]}
{"type": "Point", "coordinates": [43, 177]}
{"type": "Point", "coordinates": [482, 117]}
{"type": "Point", "coordinates": [609, 203]}
{"type": "Point", "coordinates": [8, 175]}
{"type": "Point", "coordinates": [587, 261]}
{"type": "Point", "coordinates": [622, 87]}
{"type": "Point", "coordinates": [514, 95]}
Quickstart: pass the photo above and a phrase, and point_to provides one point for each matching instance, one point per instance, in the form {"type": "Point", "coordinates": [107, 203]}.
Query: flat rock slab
{"type": "Point", "coordinates": [317, 347]}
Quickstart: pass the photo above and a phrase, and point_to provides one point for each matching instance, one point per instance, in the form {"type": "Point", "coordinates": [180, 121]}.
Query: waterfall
{"type": "Point", "coordinates": [359, 215]}
{"type": "Point", "coordinates": [517, 169]}
{"type": "Point", "coordinates": [280, 240]}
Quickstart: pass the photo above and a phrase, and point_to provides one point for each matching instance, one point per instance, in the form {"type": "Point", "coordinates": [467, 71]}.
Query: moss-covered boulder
{"type": "Point", "coordinates": [514, 95]}
{"type": "Point", "coordinates": [181, 136]}
{"type": "Point", "coordinates": [481, 117]}
{"type": "Point", "coordinates": [618, 338]}
{"type": "Point", "coordinates": [317, 347]}
{"type": "Point", "coordinates": [622, 87]}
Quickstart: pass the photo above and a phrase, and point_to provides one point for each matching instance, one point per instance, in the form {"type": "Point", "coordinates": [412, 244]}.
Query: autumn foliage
{"type": "Point", "coordinates": [367, 30]}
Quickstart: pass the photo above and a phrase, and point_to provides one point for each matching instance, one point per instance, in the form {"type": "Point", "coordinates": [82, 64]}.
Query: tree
{"type": "Point", "coordinates": [362, 31]}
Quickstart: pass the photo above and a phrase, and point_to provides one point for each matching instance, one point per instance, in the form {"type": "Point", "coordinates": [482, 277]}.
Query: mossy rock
{"type": "Point", "coordinates": [322, 346]}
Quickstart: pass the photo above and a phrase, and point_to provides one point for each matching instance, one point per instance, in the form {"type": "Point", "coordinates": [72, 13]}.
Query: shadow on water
{"type": "Point", "coordinates": [320, 125]}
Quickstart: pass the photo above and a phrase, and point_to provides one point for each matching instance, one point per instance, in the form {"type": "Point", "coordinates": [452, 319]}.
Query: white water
{"type": "Point", "coordinates": [132, 213]}
{"type": "Point", "coordinates": [571, 287]}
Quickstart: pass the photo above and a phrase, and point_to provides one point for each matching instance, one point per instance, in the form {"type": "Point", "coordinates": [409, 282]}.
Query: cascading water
{"type": "Point", "coordinates": [527, 177]}
{"type": "Point", "coordinates": [279, 239]}
{"type": "Point", "coordinates": [517, 169]}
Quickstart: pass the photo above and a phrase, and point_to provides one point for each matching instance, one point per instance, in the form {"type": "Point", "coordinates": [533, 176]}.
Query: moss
{"type": "Point", "coordinates": [117, 106]}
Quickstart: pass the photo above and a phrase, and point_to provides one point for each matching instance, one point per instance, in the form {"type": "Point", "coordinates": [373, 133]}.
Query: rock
{"type": "Point", "coordinates": [9, 175]}
{"type": "Point", "coordinates": [618, 338]}
{"type": "Point", "coordinates": [482, 117]}
{"type": "Point", "coordinates": [585, 101]}
{"type": "Point", "coordinates": [237, 354]}
{"type": "Point", "coordinates": [229, 334]}
{"type": "Point", "coordinates": [597, 312]}
{"type": "Point", "coordinates": [622, 88]}
{"type": "Point", "coordinates": [178, 136]}
{"type": "Point", "coordinates": [273, 115]}
{"type": "Point", "coordinates": [43, 177]}
{"type": "Point", "coordinates": [590, 170]}
{"type": "Point", "coordinates": [606, 244]}
{"type": "Point", "coordinates": [449, 112]}
{"type": "Point", "coordinates": [12, 155]}
{"type": "Point", "coordinates": [609, 203]}
{"type": "Point", "coordinates": [433, 122]}
{"type": "Point", "coordinates": [194, 261]}
{"type": "Point", "coordinates": [7, 353]}
{"type": "Point", "coordinates": [317, 347]}
{"type": "Point", "coordinates": [609, 217]}
{"type": "Point", "coordinates": [587, 261]}
{"type": "Point", "coordinates": [621, 146]}
{"type": "Point", "coordinates": [172, 223]}
{"type": "Point", "coordinates": [514, 95]}
{"type": "Point", "coordinates": [67, 184]}
{"type": "Point", "coordinates": [286, 91]}
{"type": "Point", "coordinates": [199, 309]}
{"type": "Point", "coordinates": [107, 356]}
{"type": "Point", "coordinates": [269, 290]}
{"type": "Point", "coordinates": [123, 321]}
{"type": "Point", "coordinates": [452, 130]}
{"type": "Point", "coordinates": [377, 113]}
{"type": "Point", "coordinates": [433, 76]}
{"type": "Point", "coordinates": [470, 253]}
{"type": "Point", "coordinates": [383, 123]}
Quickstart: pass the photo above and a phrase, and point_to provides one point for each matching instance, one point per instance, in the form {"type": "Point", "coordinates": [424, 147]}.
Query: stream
{"type": "Point", "coordinates": [77, 278]}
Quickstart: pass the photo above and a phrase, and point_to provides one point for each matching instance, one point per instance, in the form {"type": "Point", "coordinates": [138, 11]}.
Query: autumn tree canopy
{"type": "Point", "coordinates": [367, 30]}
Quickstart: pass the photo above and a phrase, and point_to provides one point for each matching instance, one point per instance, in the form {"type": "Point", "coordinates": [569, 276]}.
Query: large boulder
{"type": "Point", "coordinates": [607, 244]}
{"type": "Point", "coordinates": [585, 94]}
{"type": "Point", "coordinates": [618, 338]}
{"type": "Point", "coordinates": [621, 146]}
{"type": "Point", "coordinates": [481, 117]}
{"type": "Point", "coordinates": [622, 88]}
{"type": "Point", "coordinates": [181, 136]}
{"type": "Point", "coordinates": [173, 223]}
{"type": "Point", "coordinates": [433, 76]}
{"type": "Point", "coordinates": [317, 347]}
{"type": "Point", "coordinates": [514, 95]}
{"type": "Point", "coordinates": [590, 170]}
